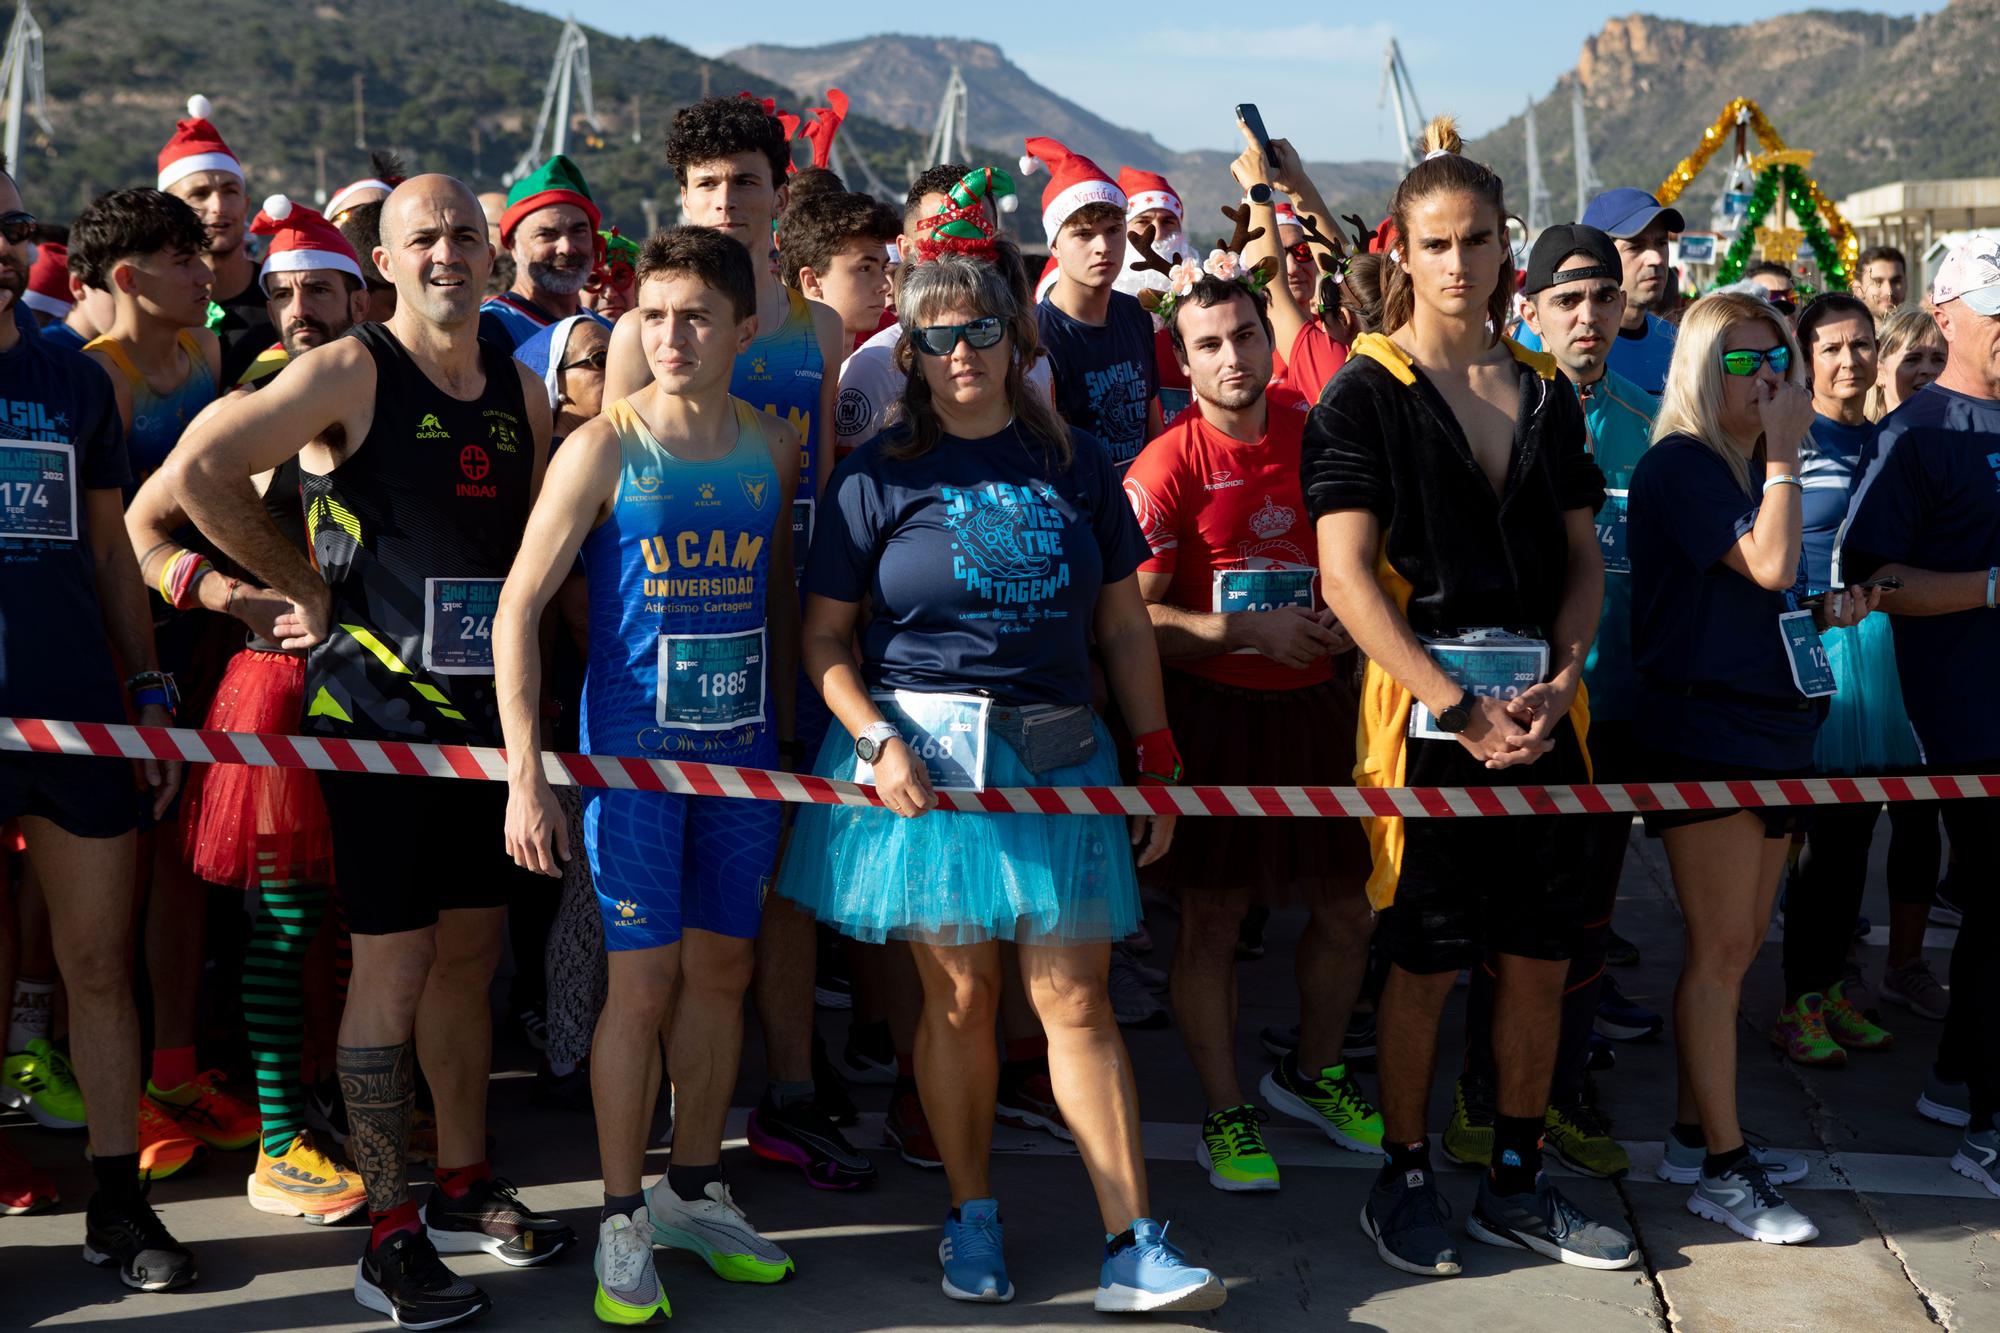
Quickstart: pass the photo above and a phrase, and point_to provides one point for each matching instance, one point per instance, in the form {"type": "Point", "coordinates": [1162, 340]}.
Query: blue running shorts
{"type": "Point", "coordinates": [663, 863]}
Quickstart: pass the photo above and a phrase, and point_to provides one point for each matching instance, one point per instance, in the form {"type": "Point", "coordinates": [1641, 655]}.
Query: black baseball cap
{"type": "Point", "coordinates": [1557, 245]}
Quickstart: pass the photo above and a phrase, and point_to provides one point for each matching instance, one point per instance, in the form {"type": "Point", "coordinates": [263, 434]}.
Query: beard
{"type": "Point", "coordinates": [559, 279]}
{"type": "Point", "coordinates": [302, 335]}
{"type": "Point", "coordinates": [1231, 400]}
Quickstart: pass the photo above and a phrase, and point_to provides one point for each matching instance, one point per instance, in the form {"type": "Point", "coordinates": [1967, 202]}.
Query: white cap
{"type": "Point", "coordinates": [1971, 273]}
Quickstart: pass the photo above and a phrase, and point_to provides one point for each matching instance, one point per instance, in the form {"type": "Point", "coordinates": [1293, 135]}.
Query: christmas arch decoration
{"type": "Point", "coordinates": [1778, 168]}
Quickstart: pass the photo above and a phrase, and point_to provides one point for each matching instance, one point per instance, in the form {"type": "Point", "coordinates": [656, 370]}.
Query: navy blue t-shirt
{"type": "Point", "coordinates": [983, 561]}
{"type": "Point", "coordinates": [1829, 465]}
{"type": "Point", "coordinates": [1930, 499]}
{"type": "Point", "coordinates": [1105, 376]}
{"type": "Point", "coordinates": [55, 660]}
{"type": "Point", "coordinates": [1696, 622]}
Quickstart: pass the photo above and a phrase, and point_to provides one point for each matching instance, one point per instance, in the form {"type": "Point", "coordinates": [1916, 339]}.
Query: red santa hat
{"type": "Point", "coordinates": [196, 146]}
{"type": "Point", "coordinates": [1074, 182]}
{"type": "Point", "coordinates": [343, 198]}
{"type": "Point", "coordinates": [301, 240]}
{"type": "Point", "coordinates": [48, 281]}
{"type": "Point", "coordinates": [1050, 272]}
{"type": "Point", "coordinates": [1288, 216]}
{"type": "Point", "coordinates": [1147, 190]}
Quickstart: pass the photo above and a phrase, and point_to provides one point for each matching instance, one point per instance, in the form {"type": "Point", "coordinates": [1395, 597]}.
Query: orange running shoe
{"type": "Point", "coordinates": [163, 1149]}
{"type": "Point", "coordinates": [303, 1182]}
{"type": "Point", "coordinates": [24, 1187]}
{"type": "Point", "coordinates": [202, 1109]}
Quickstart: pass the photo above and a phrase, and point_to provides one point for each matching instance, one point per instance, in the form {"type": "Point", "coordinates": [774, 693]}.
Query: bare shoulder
{"type": "Point", "coordinates": [211, 348]}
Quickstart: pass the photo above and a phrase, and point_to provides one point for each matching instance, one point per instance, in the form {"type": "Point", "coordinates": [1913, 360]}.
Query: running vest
{"type": "Point", "coordinates": [414, 533]}
{"type": "Point", "coordinates": [678, 575]}
{"type": "Point", "coordinates": [158, 418]}
{"type": "Point", "coordinates": [780, 373]}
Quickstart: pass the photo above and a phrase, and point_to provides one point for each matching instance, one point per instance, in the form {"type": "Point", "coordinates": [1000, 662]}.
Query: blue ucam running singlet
{"type": "Point", "coordinates": [679, 670]}
{"type": "Point", "coordinates": [781, 373]}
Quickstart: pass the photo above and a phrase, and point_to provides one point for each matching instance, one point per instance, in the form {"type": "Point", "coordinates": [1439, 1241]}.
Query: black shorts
{"type": "Point", "coordinates": [1470, 888]}
{"type": "Point", "coordinates": [409, 848]}
{"type": "Point", "coordinates": [85, 795]}
{"type": "Point", "coordinates": [1661, 766]}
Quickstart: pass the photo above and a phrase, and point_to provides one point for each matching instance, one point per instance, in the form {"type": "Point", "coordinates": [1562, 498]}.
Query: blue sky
{"type": "Point", "coordinates": [1172, 67]}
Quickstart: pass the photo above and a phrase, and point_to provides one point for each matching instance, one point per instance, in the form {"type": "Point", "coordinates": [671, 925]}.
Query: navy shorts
{"type": "Point", "coordinates": [665, 863]}
{"type": "Point", "coordinates": [87, 796]}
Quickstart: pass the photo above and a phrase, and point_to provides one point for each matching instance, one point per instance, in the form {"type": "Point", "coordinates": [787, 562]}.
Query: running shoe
{"type": "Point", "coordinates": [1027, 1100]}
{"type": "Point", "coordinates": [163, 1149]}
{"type": "Point", "coordinates": [1232, 1148]}
{"type": "Point", "coordinates": [533, 1027]}
{"type": "Point", "coordinates": [562, 1092]}
{"type": "Point", "coordinates": [628, 1286]}
{"type": "Point", "coordinates": [1404, 1216]}
{"type": "Point", "coordinates": [869, 1055]}
{"type": "Point", "coordinates": [1945, 910]}
{"type": "Point", "coordinates": [1133, 1003]}
{"type": "Point", "coordinates": [24, 1187]}
{"type": "Point", "coordinates": [1580, 1135]}
{"type": "Point", "coordinates": [1468, 1138]}
{"type": "Point", "coordinates": [1801, 1034]}
{"type": "Point", "coordinates": [1619, 951]}
{"type": "Point", "coordinates": [832, 987]}
{"type": "Point", "coordinates": [128, 1233]}
{"type": "Point", "coordinates": [1681, 1165]}
{"type": "Point", "coordinates": [1744, 1200]}
{"type": "Point", "coordinates": [1152, 1275]}
{"type": "Point", "coordinates": [971, 1252]}
{"type": "Point", "coordinates": [717, 1230]}
{"type": "Point", "coordinates": [39, 1081]}
{"type": "Point", "coordinates": [1621, 1019]}
{"type": "Point", "coordinates": [1279, 1041]}
{"type": "Point", "coordinates": [1333, 1101]}
{"type": "Point", "coordinates": [1944, 1101]}
{"type": "Point", "coordinates": [326, 1112]}
{"type": "Point", "coordinates": [1857, 990]}
{"type": "Point", "coordinates": [1544, 1221]}
{"type": "Point", "coordinates": [829, 1090]}
{"type": "Point", "coordinates": [1850, 1027]}
{"type": "Point", "coordinates": [204, 1111]}
{"type": "Point", "coordinates": [1914, 986]}
{"type": "Point", "coordinates": [1359, 1043]}
{"type": "Point", "coordinates": [490, 1216]}
{"type": "Point", "coordinates": [801, 1136]}
{"type": "Point", "coordinates": [405, 1279]}
{"type": "Point", "coordinates": [1978, 1158]}
{"type": "Point", "coordinates": [908, 1131]}
{"type": "Point", "coordinates": [303, 1182]}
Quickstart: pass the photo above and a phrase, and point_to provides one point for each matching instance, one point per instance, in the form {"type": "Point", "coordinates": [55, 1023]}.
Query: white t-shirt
{"type": "Point", "coordinates": [871, 387]}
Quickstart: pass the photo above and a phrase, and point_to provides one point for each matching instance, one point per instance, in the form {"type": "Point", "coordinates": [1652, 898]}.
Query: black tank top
{"type": "Point", "coordinates": [286, 509]}
{"type": "Point", "coordinates": [435, 499]}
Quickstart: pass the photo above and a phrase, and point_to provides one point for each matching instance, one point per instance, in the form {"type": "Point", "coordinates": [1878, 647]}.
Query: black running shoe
{"type": "Point", "coordinates": [804, 1137]}
{"type": "Point", "coordinates": [491, 1217]}
{"type": "Point", "coordinates": [406, 1280]}
{"type": "Point", "coordinates": [128, 1233]}
{"type": "Point", "coordinates": [829, 1089]}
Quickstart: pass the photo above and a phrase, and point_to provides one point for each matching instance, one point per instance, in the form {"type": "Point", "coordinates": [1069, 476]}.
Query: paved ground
{"type": "Point", "coordinates": [1904, 1244]}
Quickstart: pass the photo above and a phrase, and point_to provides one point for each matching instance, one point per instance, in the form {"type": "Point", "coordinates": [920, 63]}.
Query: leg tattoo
{"type": "Point", "coordinates": [379, 1086]}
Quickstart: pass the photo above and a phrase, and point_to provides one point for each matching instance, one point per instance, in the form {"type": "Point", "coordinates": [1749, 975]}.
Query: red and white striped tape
{"type": "Point", "coordinates": [488, 764]}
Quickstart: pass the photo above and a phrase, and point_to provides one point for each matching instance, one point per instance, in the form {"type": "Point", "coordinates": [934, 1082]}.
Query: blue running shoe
{"type": "Point", "coordinates": [975, 1269]}
{"type": "Point", "coordinates": [1621, 1019]}
{"type": "Point", "coordinates": [1151, 1274]}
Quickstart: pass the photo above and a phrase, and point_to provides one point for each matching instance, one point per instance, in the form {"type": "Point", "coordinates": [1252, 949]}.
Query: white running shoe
{"type": "Point", "coordinates": [1746, 1202]}
{"type": "Point", "coordinates": [717, 1230]}
{"type": "Point", "coordinates": [628, 1286]}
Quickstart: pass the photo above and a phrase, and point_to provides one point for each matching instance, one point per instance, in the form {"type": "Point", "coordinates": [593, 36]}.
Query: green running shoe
{"type": "Point", "coordinates": [1232, 1148]}
{"type": "Point", "coordinates": [1580, 1135]}
{"type": "Point", "coordinates": [1468, 1139]}
{"type": "Point", "coordinates": [39, 1081]}
{"type": "Point", "coordinates": [1333, 1101]}
{"type": "Point", "coordinates": [1801, 1034]}
{"type": "Point", "coordinates": [1847, 1025]}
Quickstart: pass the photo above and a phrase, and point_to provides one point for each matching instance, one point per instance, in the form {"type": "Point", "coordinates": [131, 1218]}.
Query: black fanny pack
{"type": "Point", "coordinates": [1046, 736]}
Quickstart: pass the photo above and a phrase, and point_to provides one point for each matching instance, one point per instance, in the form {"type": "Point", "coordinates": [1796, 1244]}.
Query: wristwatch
{"type": "Point", "coordinates": [1260, 193]}
{"type": "Point", "coordinates": [868, 745]}
{"type": "Point", "coordinates": [1457, 717]}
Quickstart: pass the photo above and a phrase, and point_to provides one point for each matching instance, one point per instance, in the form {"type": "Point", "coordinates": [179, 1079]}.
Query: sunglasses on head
{"type": "Point", "coordinates": [17, 226]}
{"type": "Point", "coordinates": [939, 339]}
{"type": "Point", "coordinates": [595, 361]}
{"type": "Point", "coordinates": [1747, 361]}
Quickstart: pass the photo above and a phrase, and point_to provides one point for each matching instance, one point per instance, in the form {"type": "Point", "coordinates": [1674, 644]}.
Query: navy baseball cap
{"type": "Point", "coordinates": [1627, 211]}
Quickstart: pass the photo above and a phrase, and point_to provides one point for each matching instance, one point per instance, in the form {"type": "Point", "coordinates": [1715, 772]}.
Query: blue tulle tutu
{"type": "Point", "coordinates": [1866, 730]}
{"type": "Point", "coordinates": [950, 877]}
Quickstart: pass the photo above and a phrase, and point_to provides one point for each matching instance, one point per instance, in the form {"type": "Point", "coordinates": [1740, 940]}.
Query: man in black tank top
{"type": "Point", "coordinates": [413, 517]}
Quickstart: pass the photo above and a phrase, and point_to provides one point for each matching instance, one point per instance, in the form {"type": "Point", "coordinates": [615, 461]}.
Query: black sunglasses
{"type": "Point", "coordinates": [595, 361]}
{"type": "Point", "coordinates": [939, 339]}
{"type": "Point", "coordinates": [17, 226]}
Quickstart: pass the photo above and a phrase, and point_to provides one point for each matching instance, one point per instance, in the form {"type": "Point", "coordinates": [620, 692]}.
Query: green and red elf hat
{"type": "Point", "coordinates": [964, 225]}
{"type": "Point", "coordinates": [556, 181]}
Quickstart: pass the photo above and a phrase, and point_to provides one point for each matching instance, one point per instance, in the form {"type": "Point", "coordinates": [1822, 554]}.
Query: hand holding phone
{"type": "Point", "coordinates": [1253, 122]}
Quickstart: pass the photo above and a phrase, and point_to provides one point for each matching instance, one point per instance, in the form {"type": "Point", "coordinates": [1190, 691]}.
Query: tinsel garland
{"type": "Point", "coordinates": [1805, 209]}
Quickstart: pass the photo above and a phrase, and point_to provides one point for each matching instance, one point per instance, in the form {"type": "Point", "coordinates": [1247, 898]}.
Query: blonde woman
{"type": "Point", "coordinates": [1733, 686]}
{"type": "Point", "coordinates": [1910, 353]}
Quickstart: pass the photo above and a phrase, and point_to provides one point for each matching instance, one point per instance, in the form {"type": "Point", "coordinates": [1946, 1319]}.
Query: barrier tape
{"type": "Point", "coordinates": [481, 763]}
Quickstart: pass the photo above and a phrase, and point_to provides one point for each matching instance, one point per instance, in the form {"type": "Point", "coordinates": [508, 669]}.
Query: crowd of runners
{"type": "Point", "coordinates": [814, 483]}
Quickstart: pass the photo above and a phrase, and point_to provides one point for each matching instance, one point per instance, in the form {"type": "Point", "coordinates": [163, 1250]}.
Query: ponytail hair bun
{"type": "Point", "coordinates": [1441, 136]}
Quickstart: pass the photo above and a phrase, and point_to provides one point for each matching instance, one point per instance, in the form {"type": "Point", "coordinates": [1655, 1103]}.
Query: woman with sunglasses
{"type": "Point", "coordinates": [1733, 685]}
{"type": "Point", "coordinates": [993, 545]}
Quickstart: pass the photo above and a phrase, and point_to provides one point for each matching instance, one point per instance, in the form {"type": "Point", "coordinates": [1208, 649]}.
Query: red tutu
{"type": "Point", "coordinates": [237, 807]}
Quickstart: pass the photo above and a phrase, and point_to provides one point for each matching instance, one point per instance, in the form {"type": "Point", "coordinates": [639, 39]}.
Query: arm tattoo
{"type": "Point", "coordinates": [379, 1085]}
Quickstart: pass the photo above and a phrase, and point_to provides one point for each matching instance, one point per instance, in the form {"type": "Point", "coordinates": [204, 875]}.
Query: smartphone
{"type": "Point", "coordinates": [1254, 122]}
{"type": "Point", "coordinates": [1889, 584]}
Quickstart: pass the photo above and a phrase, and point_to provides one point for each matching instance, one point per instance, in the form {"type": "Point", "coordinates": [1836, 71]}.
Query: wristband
{"type": "Point", "coordinates": [1992, 585]}
{"type": "Point", "coordinates": [154, 687]}
{"type": "Point", "coordinates": [1786, 480]}
{"type": "Point", "coordinates": [153, 694]}
{"type": "Point", "coordinates": [1159, 759]}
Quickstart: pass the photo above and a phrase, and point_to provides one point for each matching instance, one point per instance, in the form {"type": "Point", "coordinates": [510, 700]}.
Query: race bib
{"type": "Point", "coordinates": [458, 626]}
{"type": "Point", "coordinates": [1611, 534]}
{"type": "Point", "coordinates": [38, 491]}
{"type": "Point", "coordinates": [1811, 671]}
{"type": "Point", "coordinates": [946, 731]}
{"type": "Point", "coordinates": [1261, 589]}
{"type": "Point", "coordinates": [711, 682]}
{"type": "Point", "coordinates": [1491, 663]}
